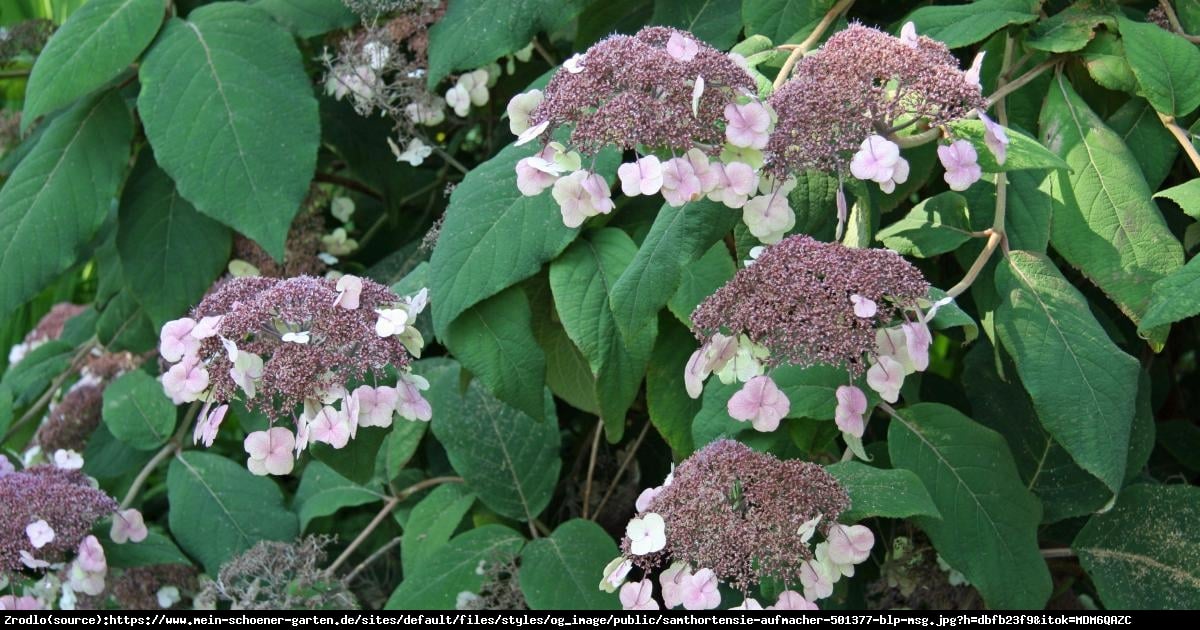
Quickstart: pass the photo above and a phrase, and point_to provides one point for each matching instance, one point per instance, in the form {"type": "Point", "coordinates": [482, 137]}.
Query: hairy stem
{"type": "Point", "coordinates": [375, 555]}
{"type": "Point", "coordinates": [346, 182]}
{"type": "Point", "coordinates": [1175, 23]}
{"type": "Point", "coordinates": [591, 469]}
{"type": "Point", "coordinates": [387, 508]}
{"type": "Point", "coordinates": [173, 445]}
{"type": "Point", "coordinates": [798, 51]}
{"type": "Point", "coordinates": [612, 485]}
{"type": "Point", "coordinates": [1063, 552]}
{"type": "Point", "coordinates": [1181, 135]}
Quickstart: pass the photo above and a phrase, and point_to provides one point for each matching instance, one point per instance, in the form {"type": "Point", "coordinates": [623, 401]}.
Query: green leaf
{"type": "Point", "coordinates": [1165, 64]}
{"type": "Point", "coordinates": [1105, 60]}
{"type": "Point", "coordinates": [1032, 197]}
{"type": "Point", "coordinates": [1024, 152]}
{"type": "Point", "coordinates": [230, 112]}
{"type": "Point", "coordinates": [494, 340]}
{"type": "Point", "coordinates": [137, 412]}
{"type": "Point", "coordinates": [1082, 385]}
{"type": "Point", "coordinates": [560, 572]}
{"type": "Point", "coordinates": [58, 196]}
{"type": "Point", "coordinates": [507, 458]}
{"type": "Point", "coordinates": [355, 461]}
{"type": "Point", "coordinates": [814, 200]}
{"type": "Point", "coordinates": [219, 509]}
{"type": "Point", "coordinates": [935, 226]}
{"type": "Point", "coordinates": [401, 445]}
{"type": "Point", "coordinates": [323, 492]}
{"type": "Point", "coordinates": [432, 522]}
{"type": "Point", "coordinates": [700, 280]}
{"type": "Point", "coordinates": [157, 548]}
{"type": "Point", "coordinates": [1138, 125]}
{"type": "Point", "coordinates": [1112, 231]}
{"type": "Point", "coordinates": [474, 33]}
{"type": "Point", "coordinates": [1181, 439]}
{"type": "Point", "coordinates": [783, 21]}
{"type": "Point", "coordinates": [93, 46]}
{"type": "Point", "coordinates": [1186, 195]}
{"type": "Point", "coordinates": [965, 24]}
{"type": "Point", "coordinates": [106, 457]}
{"type": "Point", "coordinates": [716, 22]}
{"type": "Point", "coordinates": [671, 409]}
{"type": "Point", "coordinates": [678, 237]}
{"type": "Point", "coordinates": [1145, 553]}
{"type": "Point", "coordinates": [988, 529]}
{"type": "Point", "coordinates": [170, 254]}
{"type": "Point", "coordinates": [1175, 297]}
{"type": "Point", "coordinates": [493, 236]}
{"type": "Point", "coordinates": [6, 409]}
{"type": "Point", "coordinates": [1072, 28]}
{"type": "Point", "coordinates": [952, 315]}
{"type": "Point", "coordinates": [582, 280]}
{"type": "Point", "coordinates": [1000, 404]}
{"type": "Point", "coordinates": [124, 325]}
{"type": "Point", "coordinates": [890, 493]}
{"type": "Point", "coordinates": [437, 581]}
{"type": "Point", "coordinates": [29, 378]}
{"type": "Point", "coordinates": [307, 18]}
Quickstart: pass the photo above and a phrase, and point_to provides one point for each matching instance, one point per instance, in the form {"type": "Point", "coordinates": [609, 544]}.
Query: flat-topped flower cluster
{"type": "Point", "coordinates": [294, 349]}
{"type": "Point", "coordinates": [731, 514]}
{"type": "Point", "coordinates": [693, 119]}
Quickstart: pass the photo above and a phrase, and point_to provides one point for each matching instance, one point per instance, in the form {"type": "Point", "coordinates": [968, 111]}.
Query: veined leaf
{"type": "Point", "coordinates": [559, 572]}
{"type": "Point", "coordinates": [438, 579]}
{"type": "Point", "coordinates": [1165, 64]}
{"type": "Point", "coordinates": [890, 493]}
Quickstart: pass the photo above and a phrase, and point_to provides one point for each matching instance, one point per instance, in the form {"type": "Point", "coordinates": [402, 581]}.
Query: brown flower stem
{"type": "Point", "coordinates": [1181, 135]}
{"type": "Point", "coordinates": [612, 485]}
{"type": "Point", "coordinates": [375, 555]}
{"type": "Point", "coordinates": [803, 47]}
{"type": "Point", "coordinates": [1175, 23]}
{"type": "Point", "coordinates": [387, 508]}
{"type": "Point", "coordinates": [173, 445]}
{"type": "Point", "coordinates": [543, 53]}
{"type": "Point", "coordinates": [1004, 87]}
{"type": "Point", "coordinates": [346, 182]}
{"type": "Point", "coordinates": [40, 404]}
{"type": "Point", "coordinates": [591, 469]}
{"type": "Point", "coordinates": [995, 234]}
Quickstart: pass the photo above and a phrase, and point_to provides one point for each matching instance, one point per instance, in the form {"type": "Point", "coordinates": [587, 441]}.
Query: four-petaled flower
{"type": "Point", "coordinates": [39, 533]}
{"type": "Point", "coordinates": [851, 405]}
{"type": "Point", "coordinates": [175, 341]}
{"type": "Point", "coordinates": [886, 377]}
{"type": "Point", "coordinates": [128, 526]}
{"type": "Point", "coordinates": [643, 177]}
{"type": "Point", "coordinates": [863, 307]}
{"type": "Point", "coordinates": [791, 600]}
{"type": "Point", "coordinates": [699, 591]}
{"type": "Point", "coordinates": [850, 544]}
{"type": "Point", "coordinates": [681, 47]}
{"type": "Point", "coordinates": [270, 451]}
{"type": "Point", "coordinates": [391, 321]}
{"type": "Point", "coordinates": [646, 534]}
{"type": "Point", "coordinates": [761, 403]}
{"type": "Point", "coordinates": [638, 596]}
{"type": "Point", "coordinates": [746, 125]}
{"type": "Point", "coordinates": [961, 163]}
{"type": "Point", "coordinates": [878, 160]}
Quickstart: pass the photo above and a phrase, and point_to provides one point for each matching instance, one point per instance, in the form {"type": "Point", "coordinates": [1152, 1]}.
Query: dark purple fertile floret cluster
{"type": "Point", "coordinates": [862, 82]}
{"type": "Point", "coordinates": [738, 512]}
{"type": "Point", "coordinates": [65, 499]}
{"type": "Point", "coordinates": [342, 343]}
{"type": "Point", "coordinates": [632, 92]}
{"type": "Point", "coordinates": [795, 301]}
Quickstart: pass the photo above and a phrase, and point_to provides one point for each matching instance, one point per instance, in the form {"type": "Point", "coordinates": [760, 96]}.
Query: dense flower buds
{"type": "Point", "coordinates": [45, 513]}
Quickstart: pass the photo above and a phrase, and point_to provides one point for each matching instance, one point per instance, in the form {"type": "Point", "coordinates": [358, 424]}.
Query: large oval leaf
{"type": "Point", "coordinates": [678, 237]}
{"type": "Point", "coordinates": [582, 280]}
{"type": "Point", "coordinates": [1108, 227]}
{"type": "Point", "coordinates": [1145, 553]}
{"type": "Point", "coordinates": [1165, 64]}
{"type": "Point", "coordinates": [988, 529]}
{"type": "Point", "coordinates": [560, 572]}
{"type": "Point", "coordinates": [136, 411]}
{"type": "Point", "coordinates": [59, 194]}
{"type": "Point", "coordinates": [1083, 386]}
{"type": "Point", "coordinates": [219, 509]}
{"type": "Point", "coordinates": [170, 254]}
{"type": "Point", "coordinates": [891, 493]}
{"type": "Point", "coordinates": [493, 236]}
{"type": "Point", "coordinates": [98, 41]}
{"type": "Point", "coordinates": [230, 113]}
{"type": "Point", "coordinates": [965, 24]}
{"type": "Point", "coordinates": [507, 458]}
{"type": "Point", "coordinates": [432, 523]}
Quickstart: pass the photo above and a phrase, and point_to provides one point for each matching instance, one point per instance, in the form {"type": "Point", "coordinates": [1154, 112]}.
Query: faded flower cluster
{"type": "Point", "coordinates": [729, 514]}
{"type": "Point", "coordinates": [296, 348]}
